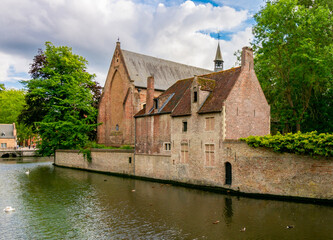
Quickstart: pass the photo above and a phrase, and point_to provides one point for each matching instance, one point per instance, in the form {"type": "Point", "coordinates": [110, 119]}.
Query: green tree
{"type": "Point", "coordinates": [24, 133]}
{"type": "Point", "coordinates": [11, 105]}
{"type": "Point", "coordinates": [60, 85]}
{"type": "Point", "coordinates": [294, 61]}
{"type": "Point", "coordinates": [36, 104]}
{"type": "Point", "coordinates": [2, 87]}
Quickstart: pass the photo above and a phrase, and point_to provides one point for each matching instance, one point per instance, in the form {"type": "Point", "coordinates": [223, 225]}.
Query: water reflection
{"type": "Point", "coordinates": [228, 213]}
{"type": "Point", "coordinates": [58, 203]}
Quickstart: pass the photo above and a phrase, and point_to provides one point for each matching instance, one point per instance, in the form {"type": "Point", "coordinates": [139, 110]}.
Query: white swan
{"type": "Point", "coordinates": [9, 209]}
{"type": "Point", "coordinates": [27, 172]}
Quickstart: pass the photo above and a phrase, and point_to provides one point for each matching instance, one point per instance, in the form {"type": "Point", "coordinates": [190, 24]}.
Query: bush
{"type": "Point", "coordinates": [310, 143]}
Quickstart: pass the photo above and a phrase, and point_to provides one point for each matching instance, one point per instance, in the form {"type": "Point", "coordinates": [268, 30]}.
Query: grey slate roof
{"type": "Point", "coordinates": [165, 72]}
{"type": "Point", "coordinates": [8, 129]}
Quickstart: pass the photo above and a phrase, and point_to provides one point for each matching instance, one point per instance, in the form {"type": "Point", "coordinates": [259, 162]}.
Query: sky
{"type": "Point", "coordinates": [180, 31]}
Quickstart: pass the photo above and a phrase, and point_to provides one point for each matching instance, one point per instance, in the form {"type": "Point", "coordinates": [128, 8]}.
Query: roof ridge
{"type": "Point", "coordinates": [223, 71]}
{"type": "Point", "coordinates": [165, 60]}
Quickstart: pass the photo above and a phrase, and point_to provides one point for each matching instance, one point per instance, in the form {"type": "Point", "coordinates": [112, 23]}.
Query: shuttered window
{"type": "Point", "coordinates": [184, 153]}
{"type": "Point", "coordinates": [209, 152]}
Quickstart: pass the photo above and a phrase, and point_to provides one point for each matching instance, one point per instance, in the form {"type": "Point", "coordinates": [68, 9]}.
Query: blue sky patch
{"type": "Point", "coordinates": [222, 35]}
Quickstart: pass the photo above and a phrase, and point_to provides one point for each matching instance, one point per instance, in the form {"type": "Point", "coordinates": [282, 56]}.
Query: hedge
{"type": "Point", "coordinates": [310, 143]}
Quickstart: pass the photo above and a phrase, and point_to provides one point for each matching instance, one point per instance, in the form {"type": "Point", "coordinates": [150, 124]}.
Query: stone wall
{"type": "Point", "coordinates": [265, 172]}
{"type": "Point", "coordinates": [103, 160]}
{"type": "Point", "coordinates": [254, 171]}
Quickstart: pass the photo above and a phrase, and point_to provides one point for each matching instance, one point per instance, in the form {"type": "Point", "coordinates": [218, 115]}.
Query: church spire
{"type": "Point", "coordinates": [218, 62]}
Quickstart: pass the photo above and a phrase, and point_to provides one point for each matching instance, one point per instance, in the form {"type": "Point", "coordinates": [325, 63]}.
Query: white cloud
{"type": "Point", "coordinates": [12, 64]}
{"type": "Point", "coordinates": [158, 28]}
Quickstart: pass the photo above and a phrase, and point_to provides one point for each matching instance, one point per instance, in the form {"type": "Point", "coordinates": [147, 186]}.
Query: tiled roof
{"type": "Point", "coordinates": [218, 83]}
{"type": "Point", "coordinates": [225, 80]}
{"type": "Point", "coordinates": [7, 130]}
{"type": "Point", "coordinates": [165, 72]}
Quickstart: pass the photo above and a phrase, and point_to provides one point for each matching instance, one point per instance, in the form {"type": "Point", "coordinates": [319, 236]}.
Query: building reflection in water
{"type": "Point", "coordinates": [227, 211]}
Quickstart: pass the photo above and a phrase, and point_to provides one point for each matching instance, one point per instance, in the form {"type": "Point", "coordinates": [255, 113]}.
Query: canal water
{"type": "Point", "coordinates": [60, 203]}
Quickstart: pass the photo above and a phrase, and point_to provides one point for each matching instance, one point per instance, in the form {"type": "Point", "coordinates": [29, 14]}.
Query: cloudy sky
{"type": "Point", "coordinates": [181, 31]}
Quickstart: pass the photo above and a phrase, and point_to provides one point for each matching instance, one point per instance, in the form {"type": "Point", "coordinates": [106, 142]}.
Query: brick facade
{"type": "Point", "coordinates": [125, 93]}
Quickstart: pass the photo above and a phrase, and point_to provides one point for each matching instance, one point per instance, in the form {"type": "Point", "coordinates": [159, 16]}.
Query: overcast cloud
{"type": "Point", "coordinates": [174, 30]}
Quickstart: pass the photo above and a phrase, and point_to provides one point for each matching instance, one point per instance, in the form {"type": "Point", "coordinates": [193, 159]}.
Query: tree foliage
{"type": "Point", "coordinates": [11, 105]}
{"type": "Point", "coordinates": [36, 106]}
{"type": "Point", "coordinates": [294, 61]}
{"type": "Point", "coordinates": [59, 93]}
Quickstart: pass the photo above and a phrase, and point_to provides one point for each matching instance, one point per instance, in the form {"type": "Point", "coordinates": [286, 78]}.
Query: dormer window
{"type": "Point", "coordinates": [195, 95]}
{"type": "Point", "coordinates": [156, 103]}
{"type": "Point", "coordinates": [3, 134]}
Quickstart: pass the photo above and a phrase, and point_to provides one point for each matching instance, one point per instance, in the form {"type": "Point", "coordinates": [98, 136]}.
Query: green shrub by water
{"type": "Point", "coordinates": [310, 143]}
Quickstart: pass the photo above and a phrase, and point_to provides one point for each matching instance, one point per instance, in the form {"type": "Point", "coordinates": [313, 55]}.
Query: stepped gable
{"type": "Point", "coordinates": [165, 72]}
{"type": "Point", "coordinates": [225, 80]}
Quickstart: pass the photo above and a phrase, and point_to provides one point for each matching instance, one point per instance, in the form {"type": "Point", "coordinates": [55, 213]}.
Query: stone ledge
{"type": "Point", "coordinates": [152, 155]}
{"type": "Point", "coordinates": [112, 150]}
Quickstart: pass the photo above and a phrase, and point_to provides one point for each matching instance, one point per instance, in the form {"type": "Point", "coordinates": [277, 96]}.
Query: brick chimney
{"type": "Point", "coordinates": [247, 58]}
{"type": "Point", "coordinates": [150, 94]}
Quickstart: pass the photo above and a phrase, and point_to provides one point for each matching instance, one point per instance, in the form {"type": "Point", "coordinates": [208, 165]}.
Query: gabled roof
{"type": "Point", "coordinates": [225, 80]}
{"type": "Point", "coordinates": [165, 72]}
{"type": "Point", "coordinates": [219, 84]}
{"type": "Point", "coordinates": [7, 130]}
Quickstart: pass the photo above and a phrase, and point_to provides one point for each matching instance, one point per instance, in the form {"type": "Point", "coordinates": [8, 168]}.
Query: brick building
{"type": "Point", "coordinates": [125, 91]}
{"type": "Point", "coordinates": [190, 120]}
{"type": "Point", "coordinates": [8, 136]}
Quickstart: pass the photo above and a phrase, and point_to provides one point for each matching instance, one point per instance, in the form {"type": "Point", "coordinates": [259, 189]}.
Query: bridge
{"type": "Point", "coordinates": [17, 152]}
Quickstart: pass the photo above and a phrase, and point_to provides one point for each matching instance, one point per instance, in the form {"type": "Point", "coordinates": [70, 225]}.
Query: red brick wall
{"type": "Point", "coordinates": [151, 134]}
{"type": "Point", "coordinates": [116, 105]}
{"type": "Point", "coordinates": [247, 110]}
{"type": "Point", "coordinates": [120, 101]}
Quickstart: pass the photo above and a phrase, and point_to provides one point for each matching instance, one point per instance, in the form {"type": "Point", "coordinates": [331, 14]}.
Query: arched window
{"type": "Point", "coordinates": [117, 127]}
{"type": "Point", "coordinates": [228, 173]}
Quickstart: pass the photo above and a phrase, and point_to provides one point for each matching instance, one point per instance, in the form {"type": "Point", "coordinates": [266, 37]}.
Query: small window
{"type": "Point", "coordinates": [130, 160]}
{"type": "Point", "coordinates": [195, 96]}
{"type": "Point", "coordinates": [156, 103]}
{"type": "Point", "coordinates": [167, 146]}
{"type": "Point", "coordinates": [184, 153]}
{"type": "Point", "coordinates": [185, 126]}
{"type": "Point", "coordinates": [117, 127]}
{"type": "Point", "coordinates": [209, 152]}
{"type": "Point", "coordinates": [3, 145]}
{"type": "Point", "coordinates": [228, 173]}
{"type": "Point", "coordinates": [210, 124]}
